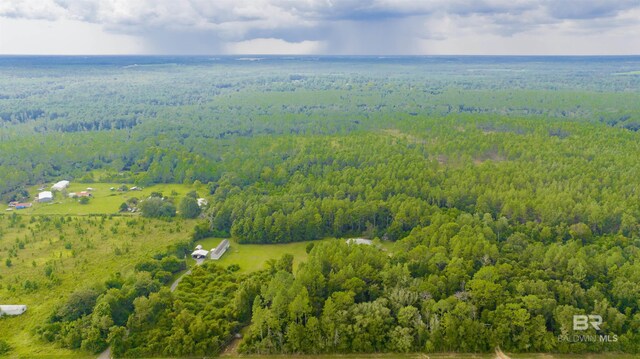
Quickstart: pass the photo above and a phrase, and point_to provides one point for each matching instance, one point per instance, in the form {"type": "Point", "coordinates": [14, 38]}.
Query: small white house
{"type": "Point", "coordinates": [359, 241]}
{"type": "Point", "coordinates": [199, 254]}
{"type": "Point", "coordinates": [45, 196]}
{"type": "Point", "coordinates": [218, 251]}
{"type": "Point", "coordinates": [12, 309]}
{"type": "Point", "coordinates": [202, 202]}
{"type": "Point", "coordinates": [60, 185]}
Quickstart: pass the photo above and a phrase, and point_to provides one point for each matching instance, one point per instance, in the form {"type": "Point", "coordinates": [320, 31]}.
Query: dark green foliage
{"type": "Point", "coordinates": [193, 194]}
{"type": "Point", "coordinates": [201, 315]}
{"type": "Point", "coordinates": [116, 281]}
{"type": "Point", "coordinates": [181, 249]}
{"type": "Point", "coordinates": [5, 348]}
{"type": "Point", "coordinates": [162, 276]}
{"type": "Point", "coordinates": [162, 268]}
{"type": "Point", "coordinates": [89, 319]}
{"type": "Point", "coordinates": [124, 207]}
{"type": "Point", "coordinates": [78, 304]}
{"type": "Point", "coordinates": [451, 286]}
{"type": "Point", "coordinates": [309, 247]}
{"type": "Point", "coordinates": [202, 230]}
{"type": "Point", "coordinates": [148, 266]}
{"type": "Point", "coordinates": [512, 196]}
{"type": "Point", "coordinates": [157, 207]}
{"type": "Point", "coordinates": [189, 207]}
{"type": "Point", "coordinates": [172, 264]}
{"type": "Point", "coordinates": [285, 263]}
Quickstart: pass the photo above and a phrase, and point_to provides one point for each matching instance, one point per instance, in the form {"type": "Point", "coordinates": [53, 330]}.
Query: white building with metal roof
{"type": "Point", "coordinates": [218, 251]}
{"type": "Point", "coordinates": [60, 185]}
{"type": "Point", "coordinates": [12, 309]}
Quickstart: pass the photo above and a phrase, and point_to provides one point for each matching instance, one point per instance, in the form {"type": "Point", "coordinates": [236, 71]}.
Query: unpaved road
{"type": "Point", "coordinates": [107, 353]}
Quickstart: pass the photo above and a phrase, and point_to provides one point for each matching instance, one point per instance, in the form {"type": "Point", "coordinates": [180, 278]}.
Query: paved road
{"type": "Point", "coordinates": [107, 353]}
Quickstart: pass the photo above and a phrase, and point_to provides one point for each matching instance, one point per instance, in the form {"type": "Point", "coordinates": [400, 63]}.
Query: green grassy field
{"type": "Point", "coordinates": [252, 257]}
{"type": "Point", "coordinates": [50, 259]}
{"type": "Point", "coordinates": [103, 199]}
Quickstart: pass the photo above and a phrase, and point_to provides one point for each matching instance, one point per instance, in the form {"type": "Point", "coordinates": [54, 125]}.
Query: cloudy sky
{"type": "Point", "coordinates": [382, 27]}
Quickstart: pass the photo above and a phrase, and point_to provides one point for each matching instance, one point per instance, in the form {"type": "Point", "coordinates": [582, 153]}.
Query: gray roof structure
{"type": "Point", "coordinates": [217, 252]}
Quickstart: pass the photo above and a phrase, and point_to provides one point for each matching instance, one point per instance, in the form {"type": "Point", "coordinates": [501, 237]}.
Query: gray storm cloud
{"type": "Point", "coordinates": [357, 26]}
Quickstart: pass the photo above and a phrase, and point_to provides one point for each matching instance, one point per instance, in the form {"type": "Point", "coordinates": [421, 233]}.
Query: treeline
{"type": "Point", "coordinates": [458, 282]}
{"type": "Point", "coordinates": [452, 286]}
{"type": "Point", "coordinates": [103, 125]}
{"type": "Point", "coordinates": [281, 219]}
{"type": "Point", "coordinates": [186, 123]}
{"type": "Point", "coordinates": [560, 177]}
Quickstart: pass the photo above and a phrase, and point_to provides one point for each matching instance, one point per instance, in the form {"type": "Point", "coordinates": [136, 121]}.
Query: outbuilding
{"type": "Point", "coordinates": [60, 185]}
{"type": "Point", "coordinates": [12, 309]}
{"type": "Point", "coordinates": [46, 196]}
{"type": "Point", "coordinates": [202, 202]}
{"type": "Point", "coordinates": [218, 251]}
{"type": "Point", "coordinates": [359, 241]}
{"type": "Point", "coordinates": [199, 254]}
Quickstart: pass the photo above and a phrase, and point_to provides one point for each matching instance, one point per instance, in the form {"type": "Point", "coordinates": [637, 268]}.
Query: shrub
{"type": "Point", "coordinates": [189, 207]}
{"type": "Point", "coordinates": [155, 207]}
{"type": "Point", "coordinates": [80, 302]}
{"type": "Point", "coordinates": [4, 347]}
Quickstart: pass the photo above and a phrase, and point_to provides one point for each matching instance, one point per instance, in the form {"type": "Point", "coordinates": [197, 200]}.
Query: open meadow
{"type": "Point", "coordinates": [53, 249]}
{"type": "Point", "coordinates": [47, 257]}
{"type": "Point", "coordinates": [103, 200]}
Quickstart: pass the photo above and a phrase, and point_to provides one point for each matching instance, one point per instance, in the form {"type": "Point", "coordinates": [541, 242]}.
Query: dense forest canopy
{"type": "Point", "coordinates": [509, 184]}
{"type": "Point", "coordinates": [336, 143]}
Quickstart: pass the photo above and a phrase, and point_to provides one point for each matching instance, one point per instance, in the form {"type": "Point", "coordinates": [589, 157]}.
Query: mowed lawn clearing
{"type": "Point", "coordinates": [253, 257]}
{"type": "Point", "coordinates": [103, 200]}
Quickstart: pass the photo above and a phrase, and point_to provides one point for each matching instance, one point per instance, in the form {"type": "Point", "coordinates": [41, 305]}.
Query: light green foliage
{"type": "Point", "coordinates": [61, 272]}
{"type": "Point", "coordinates": [367, 302]}
{"type": "Point", "coordinates": [198, 319]}
{"type": "Point", "coordinates": [509, 189]}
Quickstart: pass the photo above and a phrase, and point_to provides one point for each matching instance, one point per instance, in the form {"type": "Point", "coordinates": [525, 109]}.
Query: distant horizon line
{"type": "Point", "coordinates": [320, 55]}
